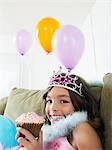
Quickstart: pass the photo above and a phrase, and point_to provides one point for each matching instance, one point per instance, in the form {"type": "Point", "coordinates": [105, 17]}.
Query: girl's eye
{"type": "Point", "coordinates": [48, 101]}
{"type": "Point", "coordinates": [63, 101]}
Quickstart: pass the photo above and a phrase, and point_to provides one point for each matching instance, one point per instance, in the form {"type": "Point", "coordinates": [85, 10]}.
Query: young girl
{"type": "Point", "coordinates": [73, 121]}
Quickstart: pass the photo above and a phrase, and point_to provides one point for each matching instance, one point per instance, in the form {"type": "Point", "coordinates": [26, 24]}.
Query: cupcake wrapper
{"type": "Point", "coordinates": [32, 127]}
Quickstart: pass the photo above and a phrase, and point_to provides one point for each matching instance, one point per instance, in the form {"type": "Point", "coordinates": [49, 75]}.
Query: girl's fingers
{"type": "Point", "coordinates": [23, 142]}
{"type": "Point", "coordinates": [39, 140]}
{"type": "Point", "coordinates": [26, 133]}
{"type": "Point", "coordinates": [17, 135]}
{"type": "Point", "coordinates": [40, 137]}
{"type": "Point", "coordinates": [29, 141]}
{"type": "Point", "coordinates": [30, 145]}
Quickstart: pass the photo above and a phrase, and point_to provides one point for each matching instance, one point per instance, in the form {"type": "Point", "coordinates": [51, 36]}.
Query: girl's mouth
{"type": "Point", "coordinates": [54, 118]}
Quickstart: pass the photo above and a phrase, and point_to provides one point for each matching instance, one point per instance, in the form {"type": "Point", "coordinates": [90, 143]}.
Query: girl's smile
{"type": "Point", "coordinates": [54, 118]}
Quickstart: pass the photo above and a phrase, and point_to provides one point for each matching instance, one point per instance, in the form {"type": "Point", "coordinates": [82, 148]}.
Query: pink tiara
{"type": "Point", "coordinates": [66, 80]}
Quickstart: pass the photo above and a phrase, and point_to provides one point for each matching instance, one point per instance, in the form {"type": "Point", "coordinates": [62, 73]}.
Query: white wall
{"type": "Point", "coordinates": [97, 28]}
{"type": "Point", "coordinates": [34, 69]}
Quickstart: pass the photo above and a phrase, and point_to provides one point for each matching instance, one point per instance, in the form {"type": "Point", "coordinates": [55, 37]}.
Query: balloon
{"type": "Point", "coordinates": [44, 32]}
{"type": "Point", "coordinates": [68, 42]}
{"type": "Point", "coordinates": [7, 133]}
{"type": "Point", "coordinates": [23, 41]}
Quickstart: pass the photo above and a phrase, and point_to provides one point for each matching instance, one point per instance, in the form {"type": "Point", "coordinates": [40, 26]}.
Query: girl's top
{"type": "Point", "coordinates": [59, 144]}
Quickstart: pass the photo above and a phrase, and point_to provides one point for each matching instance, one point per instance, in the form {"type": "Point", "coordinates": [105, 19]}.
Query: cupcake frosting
{"type": "Point", "coordinates": [30, 117]}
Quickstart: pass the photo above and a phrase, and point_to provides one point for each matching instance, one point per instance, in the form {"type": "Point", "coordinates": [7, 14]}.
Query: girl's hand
{"type": "Point", "coordinates": [29, 141]}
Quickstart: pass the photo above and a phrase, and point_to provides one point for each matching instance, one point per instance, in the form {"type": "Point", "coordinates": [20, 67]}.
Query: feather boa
{"type": "Point", "coordinates": [63, 127]}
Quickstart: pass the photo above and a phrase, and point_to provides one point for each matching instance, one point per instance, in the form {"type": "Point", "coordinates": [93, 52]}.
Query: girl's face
{"type": "Point", "coordinates": [58, 104]}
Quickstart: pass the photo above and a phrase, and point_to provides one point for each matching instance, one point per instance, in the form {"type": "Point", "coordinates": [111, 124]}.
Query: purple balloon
{"type": "Point", "coordinates": [23, 41]}
{"type": "Point", "coordinates": [68, 42]}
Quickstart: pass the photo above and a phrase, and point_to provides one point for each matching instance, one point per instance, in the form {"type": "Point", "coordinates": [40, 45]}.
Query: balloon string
{"type": "Point", "coordinates": [94, 45]}
{"type": "Point", "coordinates": [21, 70]}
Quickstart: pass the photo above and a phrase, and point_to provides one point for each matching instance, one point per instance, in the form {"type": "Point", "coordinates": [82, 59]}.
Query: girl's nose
{"type": "Point", "coordinates": [54, 107]}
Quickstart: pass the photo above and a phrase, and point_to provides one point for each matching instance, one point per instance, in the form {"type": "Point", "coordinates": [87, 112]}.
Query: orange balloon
{"type": "Point", "coordinates": [44, 32]}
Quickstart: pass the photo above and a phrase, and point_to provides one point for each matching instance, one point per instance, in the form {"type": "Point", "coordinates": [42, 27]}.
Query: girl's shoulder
{"type": "Point", "coordinates": [84, 135]}
{"type": "Point", "coordinates": [82, 127]}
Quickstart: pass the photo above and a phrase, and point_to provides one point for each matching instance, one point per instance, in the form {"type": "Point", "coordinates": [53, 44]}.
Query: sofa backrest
{"type": "Point", "coordinates": [24, 100]}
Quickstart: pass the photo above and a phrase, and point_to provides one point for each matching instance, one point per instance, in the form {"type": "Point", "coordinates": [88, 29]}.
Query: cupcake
{"type": "Point", "coordinates": [31, 122]}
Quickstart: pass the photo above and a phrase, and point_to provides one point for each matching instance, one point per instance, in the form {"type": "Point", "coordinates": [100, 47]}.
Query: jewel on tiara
{"type": "Point", "coordinates": [66, 80]}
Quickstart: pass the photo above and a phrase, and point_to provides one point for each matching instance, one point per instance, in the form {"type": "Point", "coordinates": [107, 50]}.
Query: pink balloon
{"type": "Point", "coordinates": [23, 41]}
{"type": "Point", "coordinates": [68, 42]}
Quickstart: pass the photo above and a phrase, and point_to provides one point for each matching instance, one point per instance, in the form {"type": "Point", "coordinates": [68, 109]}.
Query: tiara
{"type": "Point", "coordinates": [66, 80]}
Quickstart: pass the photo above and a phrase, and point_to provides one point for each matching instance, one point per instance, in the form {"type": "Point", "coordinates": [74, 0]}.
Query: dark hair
{"type": "Point", "coordinates": [88, 103]}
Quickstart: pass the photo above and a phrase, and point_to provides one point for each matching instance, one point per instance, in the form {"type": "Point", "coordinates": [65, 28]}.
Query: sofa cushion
{"type": "Point", "coordinates": [106, 109]}
{"type": "Point", "coordinates": [24, 100]}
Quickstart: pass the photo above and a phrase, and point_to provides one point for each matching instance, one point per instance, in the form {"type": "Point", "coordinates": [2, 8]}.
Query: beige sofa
{"type": "Point", "coordinates": [24, 100]}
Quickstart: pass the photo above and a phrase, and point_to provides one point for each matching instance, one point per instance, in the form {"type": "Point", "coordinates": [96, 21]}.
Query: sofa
{"type": "Point", "coordinates": [25, 100]}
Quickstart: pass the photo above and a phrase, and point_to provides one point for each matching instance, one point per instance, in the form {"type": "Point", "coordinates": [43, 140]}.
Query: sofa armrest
{"type": "Point", "coordinates": [3, 102]}
{"type": "Point", "coordinates": [106, 109]}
